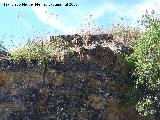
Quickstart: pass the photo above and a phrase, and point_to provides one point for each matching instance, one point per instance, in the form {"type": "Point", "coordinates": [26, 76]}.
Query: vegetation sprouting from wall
{"type": "Point", "coordinates": [103, 76]}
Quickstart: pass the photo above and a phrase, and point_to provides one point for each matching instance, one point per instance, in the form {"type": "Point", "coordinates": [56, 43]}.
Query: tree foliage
{"type": "Point", "coordinates": [146, 61]}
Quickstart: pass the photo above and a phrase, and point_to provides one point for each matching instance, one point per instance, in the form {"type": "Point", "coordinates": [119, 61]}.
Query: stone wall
{"type": "Point", "coordinates": [86, 86]}
{"type": "Point", "coordinates": [84, 39]}
{"type": "Point", "coordinates": [68, 92]}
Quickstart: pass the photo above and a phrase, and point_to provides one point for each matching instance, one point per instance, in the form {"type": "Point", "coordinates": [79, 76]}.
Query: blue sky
{"type": "Point", "coordinates": [17, 24]}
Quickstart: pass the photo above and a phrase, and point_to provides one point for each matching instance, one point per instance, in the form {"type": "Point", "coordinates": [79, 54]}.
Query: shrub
{"type": "Point", "coordinates": [146, 63]}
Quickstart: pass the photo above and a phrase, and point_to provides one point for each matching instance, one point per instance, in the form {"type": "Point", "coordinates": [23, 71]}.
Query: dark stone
{"type": "Point", "coordinates": [4, 53]}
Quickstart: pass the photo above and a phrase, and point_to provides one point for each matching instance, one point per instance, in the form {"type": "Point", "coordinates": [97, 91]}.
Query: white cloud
{"type": "Point", "coordinates": [137, 11]}
{"type": "Point", "coordinates": [43, 15]}
{"type": "Point", "coordinates": [52, 21]}
{"type": "Point", "coordinates": [133, 12]}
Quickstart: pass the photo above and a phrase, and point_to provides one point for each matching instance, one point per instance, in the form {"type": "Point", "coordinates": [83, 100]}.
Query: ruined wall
{"type": "Point", "coordinates": [86, 86]}
{"type": "Point", "coordinates": [76, 93]}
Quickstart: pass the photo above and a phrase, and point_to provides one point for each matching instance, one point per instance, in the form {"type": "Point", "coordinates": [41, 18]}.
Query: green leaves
{"type": "Point", "coordinates": [146, 59]}
{"type": "Point", "coordinates": [43, 52]}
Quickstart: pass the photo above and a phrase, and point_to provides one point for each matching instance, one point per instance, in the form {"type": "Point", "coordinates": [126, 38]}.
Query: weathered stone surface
{"type": "Point", "coordinates": [4, 53]}
{"type": "Point", "coordinates": [85, 86]}
{"type": "Point", "coordinates": [85, 94]}
{"type": "Point", "coordinates": [81, 40]}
